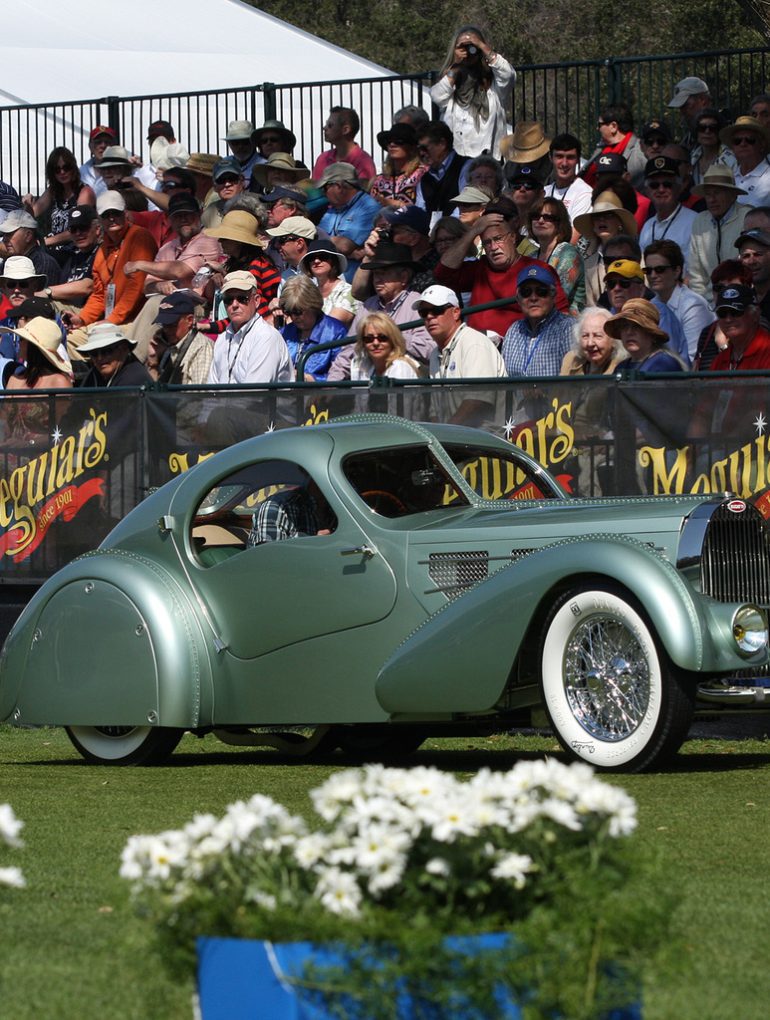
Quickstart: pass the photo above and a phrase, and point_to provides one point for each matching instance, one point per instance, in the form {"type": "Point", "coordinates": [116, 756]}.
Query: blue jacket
{"type": "Point", "coordinates": [325, 329]}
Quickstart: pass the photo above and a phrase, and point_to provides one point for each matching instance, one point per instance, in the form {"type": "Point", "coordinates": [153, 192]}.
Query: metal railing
{"type": "Point", "coordinates": [562, 96]}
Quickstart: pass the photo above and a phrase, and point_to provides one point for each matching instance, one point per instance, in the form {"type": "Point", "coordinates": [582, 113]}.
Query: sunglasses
{"type": "Point", "coordinates": [745, 140]}
{"type": "Point", "coordinates": [171, 185]}
{"type": "Point", "coordinates": [546, 216]}
{"type": "Point", "coordinates": [431, 312]}
{"type": "Point", "coordinates": [525, 186]}
{"type": "Point", "coordinates": [18, 284]}
{"type": "Point", "coordinates": [532, 289]}
{"type": "Point", "coordinates": [654, 270]}
{"type": "Point", "coordinates": [105, 352]}
{"type": "Point", "coordinates": [371, 338]}
{"type": "Point", "coordinates": [665, 183]}
{"type": "Point", "coordinates": [286, 239]}
{"type": "Point", "coordinates": [270, 140]}
{"type": "Point", "coordinates": [708, 127]}
{"type": "Point", "coordinates": [619, 281]}
{"type": "Point", "coordinates": [224, 179]}
{"type": "Point", "coordinates": [730, 313]}
{"type": "Point", "coordinates": [241, 296]}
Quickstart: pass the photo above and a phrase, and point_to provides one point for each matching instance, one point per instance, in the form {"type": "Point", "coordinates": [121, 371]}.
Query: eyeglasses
{"type": "Point", "coordinates": [113, 214]}
{"type": "Point", "coordinates": [270, 140]}
{"type": "Point", "coordinates": [654, 270]}
{"type": "Point", "coordinates": [224, 179]}
{"type": "Point", "coordinates": [241, 296]}
{"type": "Point", "coordinates": [619, 281]}
{"type": "Point", "coordinates": [547, 216]}
{"type": "Point", "coordinates": [62, 169]}
{"type": "Point", "coordinates": [708, 127]}
{"type": "Point", "coordinates": [372, 338]}
{"type": "Point", "coordinates": [494, 242]}
{"type": "Point", "coordinates": [530, 289]}
{"type": "Point", "coordinates": [286, 239]}
{"type": "Point", "coordinates": [730, 313]}
{"type": "Point", "coordinates": [18, 284]}
{"type": "Point", "coordinates": [666, 183]}
{"type": "Point", "coordinates": [525, 186]}
{"type": "Point", "coordinates": [745, 140]}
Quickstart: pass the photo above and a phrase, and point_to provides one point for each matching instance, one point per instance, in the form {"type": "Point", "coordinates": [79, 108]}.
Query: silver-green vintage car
{"type": "Point", "coordinates": [366, 583]}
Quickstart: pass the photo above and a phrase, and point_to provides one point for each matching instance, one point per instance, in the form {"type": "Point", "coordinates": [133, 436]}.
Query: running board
{"type": "Point", "coordinates": [731, 694]}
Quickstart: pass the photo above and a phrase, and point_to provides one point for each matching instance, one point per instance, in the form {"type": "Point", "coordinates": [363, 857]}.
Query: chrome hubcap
{"type": "Point", "coordinates": [606, 678]}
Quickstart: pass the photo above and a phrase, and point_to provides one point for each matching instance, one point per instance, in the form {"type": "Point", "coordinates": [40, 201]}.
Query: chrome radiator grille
{"type": "Point", "coordinates": [735, 562]}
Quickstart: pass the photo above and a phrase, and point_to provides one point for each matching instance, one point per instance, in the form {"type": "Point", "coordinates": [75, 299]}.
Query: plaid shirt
{"type": "Point", "coordinates": [538, 354]}
{"type": "Point", "coordinates": [285, 515]}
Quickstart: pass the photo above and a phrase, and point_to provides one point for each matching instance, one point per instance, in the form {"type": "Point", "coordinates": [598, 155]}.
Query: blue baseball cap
{"type": "Point", "coordinates": [409, 216]}
{"type": "Point", "coordinates": [537, 274]}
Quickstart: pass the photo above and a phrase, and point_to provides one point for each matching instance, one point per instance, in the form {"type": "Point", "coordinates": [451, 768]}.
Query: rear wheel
{"type": "Point", "coordinates": [124, 745]}
{"type": "Point", "coordinates": [613, 697]}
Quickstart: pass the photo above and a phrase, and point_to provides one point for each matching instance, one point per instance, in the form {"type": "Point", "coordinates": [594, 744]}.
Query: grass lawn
{"type": "Point", "coordinates": [71, 947]}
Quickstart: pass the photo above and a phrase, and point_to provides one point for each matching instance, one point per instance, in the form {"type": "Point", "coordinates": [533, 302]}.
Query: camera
{"type": "Point", "coordinates": [386, 234]}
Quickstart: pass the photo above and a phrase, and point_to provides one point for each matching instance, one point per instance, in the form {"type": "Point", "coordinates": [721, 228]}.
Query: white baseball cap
{"type": "Point", "coordinates": [438, 296]}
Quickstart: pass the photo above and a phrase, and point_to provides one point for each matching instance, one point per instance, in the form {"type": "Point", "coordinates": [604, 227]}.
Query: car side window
{"type": "Point", "coordinates": [269, 501]}
{"type": "Point", "coordinates": [498, 475]}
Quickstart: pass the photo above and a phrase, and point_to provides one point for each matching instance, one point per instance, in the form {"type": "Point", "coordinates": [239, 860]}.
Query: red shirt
{"type": "Point", "coordinates": [487, 285]}
{"type": "Point", "coordinates": [755, 358]}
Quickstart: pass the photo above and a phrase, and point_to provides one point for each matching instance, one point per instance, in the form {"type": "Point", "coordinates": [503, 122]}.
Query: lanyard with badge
{"type": "Point", "coordinates": [110, 293]}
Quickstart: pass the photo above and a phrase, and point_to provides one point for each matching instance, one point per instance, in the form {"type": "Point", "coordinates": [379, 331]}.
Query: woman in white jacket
{"type": "Point", "coordinates": [474, 92]}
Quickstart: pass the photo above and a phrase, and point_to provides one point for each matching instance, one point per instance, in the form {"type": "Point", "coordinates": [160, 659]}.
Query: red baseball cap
{"type": "Point", "coordinates": [103, 129]}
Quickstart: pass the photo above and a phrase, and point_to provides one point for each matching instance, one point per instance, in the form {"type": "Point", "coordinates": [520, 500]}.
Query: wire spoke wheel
{"type": "Point", "coordinates": [613, 696]}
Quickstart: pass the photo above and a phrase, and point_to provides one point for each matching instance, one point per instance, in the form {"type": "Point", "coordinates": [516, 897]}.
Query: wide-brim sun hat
{"type": "Point", "coordinates": [20, 267]}
{"type": "Point", "coordinates": [638, 312]}
{"type": "Point", "coordinates": [279, 161]}
{"type": "Point", "coordinates": [238, 225]}
{"type": "Point", "coordinates": [527, 143]}
{"type": "Point", "coordinates": [741, 125]}
{"type": "Point", "coordinates": [322, 248]}
{"type": "Point", "coordinates": [46, 335]}
{"type": "Point", "coordinates": [607, 202]}
{"type": "Point", "coordinates": [278, 128]}
{"type": "Point", "coordinates": [718, 176]}
{"type": "Point", "coordinates": [104, 334]}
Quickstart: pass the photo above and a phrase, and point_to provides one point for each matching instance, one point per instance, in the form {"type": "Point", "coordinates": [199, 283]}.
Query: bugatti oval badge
{"type": "Point", "coordinates": [736, 506]}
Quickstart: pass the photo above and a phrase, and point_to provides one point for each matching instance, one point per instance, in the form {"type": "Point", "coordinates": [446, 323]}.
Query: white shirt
{"type": "Point", "coordinates": [256, 353]}
{"type": "Point", "coordinates": [468, 141]}
{"type": "Point", "coordinates": [676, 227]}
{"type": "Point", "coordinates": [693, 312]}
{"type": "Point", "coordinates": [756, 182]}
{"type": "Point", "coordinates": [576, 197]}
{"type": "Point", "coordinates": [468, 355]}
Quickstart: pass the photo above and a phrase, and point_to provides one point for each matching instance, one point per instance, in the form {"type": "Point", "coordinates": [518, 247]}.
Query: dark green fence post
{"type": "Point", "coordinates": [113, 114]}
{"type": "Point", "coordinates": [271, 107]}
{"type": "Point", "coordinates": [614, 81]}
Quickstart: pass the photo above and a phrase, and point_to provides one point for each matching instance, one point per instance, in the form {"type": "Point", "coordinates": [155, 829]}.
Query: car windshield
{"type": "Point", "coordinates": [402, 481]}
{"type": "Point", "coordinates": [495, 474]}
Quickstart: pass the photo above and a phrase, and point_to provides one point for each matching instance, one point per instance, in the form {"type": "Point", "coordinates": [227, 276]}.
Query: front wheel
{"type": "Point", "coordinates": [124, 745]}
{"type": "Point", "coordinates": [613, 697]}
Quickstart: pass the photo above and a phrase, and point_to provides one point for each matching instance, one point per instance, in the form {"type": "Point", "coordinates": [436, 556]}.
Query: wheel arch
{"type": "Point", "coordinates": [111, 640]}
{"type": "Point", "coordinates": [480, 635]}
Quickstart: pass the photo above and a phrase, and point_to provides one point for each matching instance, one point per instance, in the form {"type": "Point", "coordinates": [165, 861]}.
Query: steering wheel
{"type": "Point", "coordinates": [372, 497]}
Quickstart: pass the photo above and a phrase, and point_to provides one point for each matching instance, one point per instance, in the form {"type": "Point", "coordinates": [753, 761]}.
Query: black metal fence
{"type": "Point", "coordinates": [562, 96]}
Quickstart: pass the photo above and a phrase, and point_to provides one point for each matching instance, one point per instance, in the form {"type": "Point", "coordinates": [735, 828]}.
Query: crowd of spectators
{"type": "Point", "coordinates": [648, 254]}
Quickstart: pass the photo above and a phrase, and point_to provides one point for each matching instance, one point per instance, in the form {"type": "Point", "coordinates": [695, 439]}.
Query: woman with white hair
{"type": "Point", "coordinates": [594, 353]}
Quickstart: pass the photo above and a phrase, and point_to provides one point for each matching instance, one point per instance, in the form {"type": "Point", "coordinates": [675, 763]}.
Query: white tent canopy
{"type": "Point", "coordinates": [81, 49]}
{"type": "Point", "coordinates": [60, 54]}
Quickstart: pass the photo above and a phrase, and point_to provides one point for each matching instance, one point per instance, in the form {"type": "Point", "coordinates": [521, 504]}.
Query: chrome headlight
{"type": "Point", "coordinates": [750, 630]}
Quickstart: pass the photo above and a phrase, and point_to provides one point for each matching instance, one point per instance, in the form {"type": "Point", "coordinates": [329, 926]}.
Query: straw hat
{"type": "Point", "coordinates": [203, 163]}
{"type": "Point", "coordinates": [718, 176]}
{"type": "Point", "coordinates": [639, 312]}
{"type": "Point", "coordinates": [527, 143]}
{"type": "Point", "coordinates": [46, 335]}
{"type": "Point", "coordinates": [742, 124]}
{"type": "Point", "coordinates": [238, 225]}
{"type": "Point", "coordinates": [607, 202]}
{"type": "Point", "coordinates": [279, 161]}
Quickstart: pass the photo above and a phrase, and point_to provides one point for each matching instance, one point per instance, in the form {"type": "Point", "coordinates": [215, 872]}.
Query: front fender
{"type": "Point", "coordinates": [109, 640]}
{"type": "Point", "coordinates": [459, 660]}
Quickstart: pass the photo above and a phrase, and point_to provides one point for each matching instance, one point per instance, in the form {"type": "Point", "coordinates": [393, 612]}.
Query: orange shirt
{"type": "Point", "coordinates": [137, 243]}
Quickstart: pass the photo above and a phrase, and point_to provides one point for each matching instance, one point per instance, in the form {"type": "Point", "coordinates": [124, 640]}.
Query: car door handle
{"type": "Point", "coordinates": [360, 550]}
